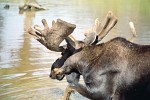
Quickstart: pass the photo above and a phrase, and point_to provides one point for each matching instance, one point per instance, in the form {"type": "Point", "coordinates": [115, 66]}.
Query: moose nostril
{"type": "Point", "coordinates": [50, 75]}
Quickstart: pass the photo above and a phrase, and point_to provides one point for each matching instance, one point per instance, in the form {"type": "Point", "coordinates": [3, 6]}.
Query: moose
{"type": "Point", "coordinates": [114, 70]}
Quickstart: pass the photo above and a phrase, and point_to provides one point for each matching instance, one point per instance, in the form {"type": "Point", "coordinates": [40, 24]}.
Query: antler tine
{"type": "Point", "coordinates": [45, 23]}
{"type": "Point", "coordinates": [38, 28]}
{"type": "Point", "coordinates": [35, 34]}
{"type": "Point", "coordinates": [97, 26]}
{"type": "Point", "coordinates": [110, 23]}
{"type": "Point", "coordinates": [108, 18]}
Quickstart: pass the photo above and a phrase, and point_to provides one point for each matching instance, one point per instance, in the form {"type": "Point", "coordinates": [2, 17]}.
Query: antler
{"type": "Point", "coordinates": [98, 32]}
{"type": "Point", "coordinates": [52, 37]}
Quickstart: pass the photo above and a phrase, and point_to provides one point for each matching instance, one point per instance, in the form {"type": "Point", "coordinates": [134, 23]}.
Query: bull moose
{"type": "Point", "coordinates": [114, 70]}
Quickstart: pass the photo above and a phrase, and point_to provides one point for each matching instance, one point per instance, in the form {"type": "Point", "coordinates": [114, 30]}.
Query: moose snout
{"type": "Point", "coordinates": [50, 75]}
{"type": "Point", "coordinates": [55, 74]}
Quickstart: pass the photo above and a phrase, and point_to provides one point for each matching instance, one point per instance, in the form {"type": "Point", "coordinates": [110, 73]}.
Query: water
{"type": "Point", "coordinates": [25, 63]}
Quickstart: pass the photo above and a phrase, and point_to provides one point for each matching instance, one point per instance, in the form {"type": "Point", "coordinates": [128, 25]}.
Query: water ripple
{"type": "Point", "coordinates": [12, 76]}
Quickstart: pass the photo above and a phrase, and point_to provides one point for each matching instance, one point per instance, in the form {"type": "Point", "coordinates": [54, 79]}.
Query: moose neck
{"type": "Point", "coordinates": [81, 60]}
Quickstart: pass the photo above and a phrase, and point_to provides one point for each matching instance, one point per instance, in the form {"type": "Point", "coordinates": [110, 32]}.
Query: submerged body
{"type": "Point", "coordinates": [118, 70]}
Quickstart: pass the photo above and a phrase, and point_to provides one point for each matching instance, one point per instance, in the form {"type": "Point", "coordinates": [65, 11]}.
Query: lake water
{"type": "Point", "coordinates": [25, 63]}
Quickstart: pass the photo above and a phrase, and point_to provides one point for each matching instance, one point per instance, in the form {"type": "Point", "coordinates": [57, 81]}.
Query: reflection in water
{"type": "Point", "coordinates": [25, 63]}
{"type": "Point", "coordinates": [24, 51]}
